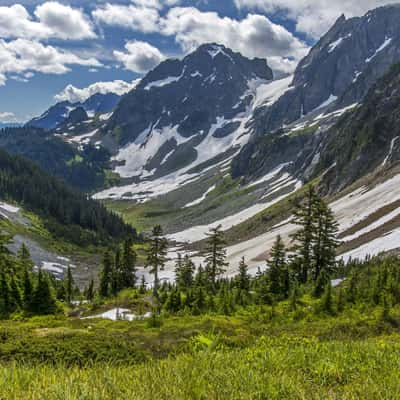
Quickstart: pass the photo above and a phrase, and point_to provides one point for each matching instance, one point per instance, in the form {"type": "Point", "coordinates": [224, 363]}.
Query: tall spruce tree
{"type": "Point", "coordinates": [156, 256]}
{"type": "Point", "coordinates": [304, 216]}
{"type": "Point", "coordinates": [325, 240]}
{"type": "Point", "coordinates": [106, 275]}
{"type": "Point", "coordinates": [243, 278]}
{"type": "Point", "coordinates": [128, 267]}
{"type": "Point", "coordinates": [69, 286]}
{"type": "Point", "coordinates": [43, 301]}
{"type": "Point", "coordinates": [278, 273]}
{"type": "Point", "coordinates": [215, 255]}
{"type": "Point", "coordinates": [184, 272]}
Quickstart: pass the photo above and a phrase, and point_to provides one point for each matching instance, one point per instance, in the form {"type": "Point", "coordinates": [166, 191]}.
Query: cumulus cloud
{"type": "Point", "coordinates": [139, 56]}
{"type": "Point", "coordinates": [254, 36]}
{"type": "Point", "coordinates": [64, 21]}
{"type": "Point", "coordinates": [140, 18]}
{"type": "Point", "coordinates": [75, 95]}
{"type": "Point", "coordinates": [24, 56]}
{"type": "Point", "coordinates": [313, 17]}
{"type": "Point", "coordinates": [53, 20]}
{"type": "Point", "coordinates": [7, 117]}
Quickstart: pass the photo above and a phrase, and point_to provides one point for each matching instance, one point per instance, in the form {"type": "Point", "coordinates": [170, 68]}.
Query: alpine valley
{"type": "Point", "coordinates": [218, 142]}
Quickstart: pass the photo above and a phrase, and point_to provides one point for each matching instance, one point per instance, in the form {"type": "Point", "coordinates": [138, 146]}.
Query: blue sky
{"type": "Point", "coordinates": [46, 46]}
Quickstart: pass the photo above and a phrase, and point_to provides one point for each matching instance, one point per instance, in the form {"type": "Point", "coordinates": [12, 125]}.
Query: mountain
{"type": "Point", "coordinates": [56, 115]}
{"type": "Point", "coordinates": [185, 115]}
{"type": "Point", "coordinates": [340, 68]}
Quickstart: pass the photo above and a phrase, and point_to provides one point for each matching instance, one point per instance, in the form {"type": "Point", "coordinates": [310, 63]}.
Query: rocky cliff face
{"type": "Point", "coordinates": [340, 68]}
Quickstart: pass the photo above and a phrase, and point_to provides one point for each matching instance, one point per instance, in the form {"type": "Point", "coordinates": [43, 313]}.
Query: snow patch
{"type": "Point", "coordinates": [201, 199]}
{"type": "Point", "coordinates": [385, 44]}
{"type": "Point", "coordinates": [9, 208]}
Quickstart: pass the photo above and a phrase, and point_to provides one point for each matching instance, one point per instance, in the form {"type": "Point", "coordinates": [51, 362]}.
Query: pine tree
{"type": "Point", "coordinates": [105, 277]}
{"type": "Point", "coordinates": [156, 256]}
{"type": "Point", "coordinates": [27, 289]}
{"type": "Point", "coordinates": [215, 255]}
{"type": "Point", "coordinates": [90, 291]}
{"type": "Point", "coordinates": [142, 288]}
{"type": "Point", "coordinates": [304, 216]}
{"type": "Point", "coordinates": [15, 294]}
{"type": "Point", "coordinates": [327, 300]}
{"type": "Point", "coordinates": [243, 279]}
{"type": "Point", "coordinates": [277, 269]}
{"type": "Point", "coordinates": [128, 268]}
{"type": "Point", "coordinates": [69, 286]}
{"type": "Point", "coordinates": [324, 238]}
{"type": "Point", "coordinates": [43, 301]}
{"type": "Point", "coordinates": [24, 259]}
{"type": "Point", "coordinates": [184, 272]}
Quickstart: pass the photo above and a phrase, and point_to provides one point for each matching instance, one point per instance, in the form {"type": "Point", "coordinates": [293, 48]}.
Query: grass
{"type": "Point", "coordinates": [274, 368]}
{"type": "Point", "coordinates": [260, 352]}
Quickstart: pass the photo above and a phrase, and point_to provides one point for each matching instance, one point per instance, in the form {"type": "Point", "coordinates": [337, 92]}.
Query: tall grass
{"type": "Point", "coordinates": [275, 368]}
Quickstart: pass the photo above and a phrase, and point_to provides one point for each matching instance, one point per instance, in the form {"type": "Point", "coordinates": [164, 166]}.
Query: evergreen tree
{"type": "Point", "coordinates": [325, 242]}
{"type": "Point", "coordinates": [24, 259]}
{"type": "Point", "coordinates": [142, 288]}
{"type": "Point", "coordinates": [90, 291]}
{"type": "Point", "coordinates": [69, 285]}
{"type": "Point", "coordinates": [128, 268]}
{"type": "Point", "coordinates": [278, 270]}
{"type": "Point", "coordinates": [215, 255]}
{"type": "Point", "coordinates": [243, 279]}
{"type": "Point", "coordinates": [5, 301]}
{"type": "Point", "coordinates": [43, 301]}
{"type": "Point", "coordinates": [304, 216]}
{"type": "Point", "coordinates": [15, 294]}
{"type": "Point", "coordinates": [106, 275]}
{"type": "Point", "coordinates": [156, 256]}
{"type": "Point", "coordinates": [27, 289]}
{"type": "Point", "coordinates": [184, 272]}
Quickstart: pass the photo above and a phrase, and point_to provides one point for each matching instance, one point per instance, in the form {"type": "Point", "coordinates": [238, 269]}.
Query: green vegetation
{"type": "Point", "coordinates": [284, 334]}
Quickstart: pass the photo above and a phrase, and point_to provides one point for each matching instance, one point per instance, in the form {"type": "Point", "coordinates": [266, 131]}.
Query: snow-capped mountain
{"type": "Point", "coordinates": [187, 114]}
{"type": "Point", "coordinates": [340, 68]}
{"type": "Point", "coordinates": [58, 114]}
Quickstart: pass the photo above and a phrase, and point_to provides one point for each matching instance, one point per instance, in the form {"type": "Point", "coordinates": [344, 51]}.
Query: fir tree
{"type": "Point", "coordinates": [24, 259]}
{"type": "Point", "coordinates": [277, 269]}
{"type": "Point", "coordinates": [69, 285]}
{"type": "Point", "coordinates": [142, 288]}
{"type": "Point", "coordinates": [304, 216]}
{"type": "Point", "coordinates": [90, 291]}
{"type": "Point", "coordinates": [243, 279]}
{"type": "Point", "coordinates": [156, 256]}
{"type": "Point", "coordinates": [105, 277]}
{"type": "Point", "coordinates": [27, 289]}
{"type": "Point", "coordinates": [5, 301]}
{"type": "Point", "coordinates": [325, 242]}
{"type": "Point", "coordinates": [128, 268]}
{"type": "Point", "coordinates": [43, 301]}
{"type": "Point", "coordinates": [215, 255]}
{"type": "Point", "coordinates": [184, 272]}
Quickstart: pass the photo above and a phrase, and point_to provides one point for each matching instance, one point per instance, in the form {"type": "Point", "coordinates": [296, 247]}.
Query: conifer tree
{"type": "Point", "coordinates": [128, 267]}
{"type": "Point", "coordinates": [156, 256]}
{"type": "Point", "coordinates": [27, 289]}
{"type": "Point", "coordinates": [304, 216]}
{"type": "Point", "coordinates": [15, 294]}
{"type": "Point", "coordinates": [105, 277]}
{"type": "Point", "coordinates": [277, 269]}
{"type": "Point", "coordinates": [215, 255]}
{"type": "Point", "coordinates": [24, 258]}
{"type": "Point", "coordinates": [324, 238]}
{"type": "Point", "coordinates": [184, 272]}
{"type": "Point", "coordinates": [90, 291]}
{"type": "Point", "coordinates": [5, 301]}
{"type": "Point", "coordinates": [142, 288]}
{"type": "Point", "coordinates": [43, 302]}
{"type": "Point", "coordinates": [243, 279]}
{"type": "Point", "coordinates": [69, 286]}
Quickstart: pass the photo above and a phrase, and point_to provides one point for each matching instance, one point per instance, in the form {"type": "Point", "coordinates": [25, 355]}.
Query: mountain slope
{"type": "Point", "coordinates": [66, 213]}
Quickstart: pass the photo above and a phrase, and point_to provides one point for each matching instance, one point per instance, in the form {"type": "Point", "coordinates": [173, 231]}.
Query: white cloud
{"type": "Point", "coordinates": [254, 36]}
{"type": "Point", "coordinates": [143, 19]}
{"type": "Point", "coordinates": [7, 117]}
{"type": "Point", "coordinates": [74, 94]}
{"type": "Point", "coordinates": [64, 21]}
{"type": "Point", "coordinates": [24, 56]}
{"type": "Point", "coordinates": [313, 17]}
{"type": "Point", "coordinates": [139, 56]}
